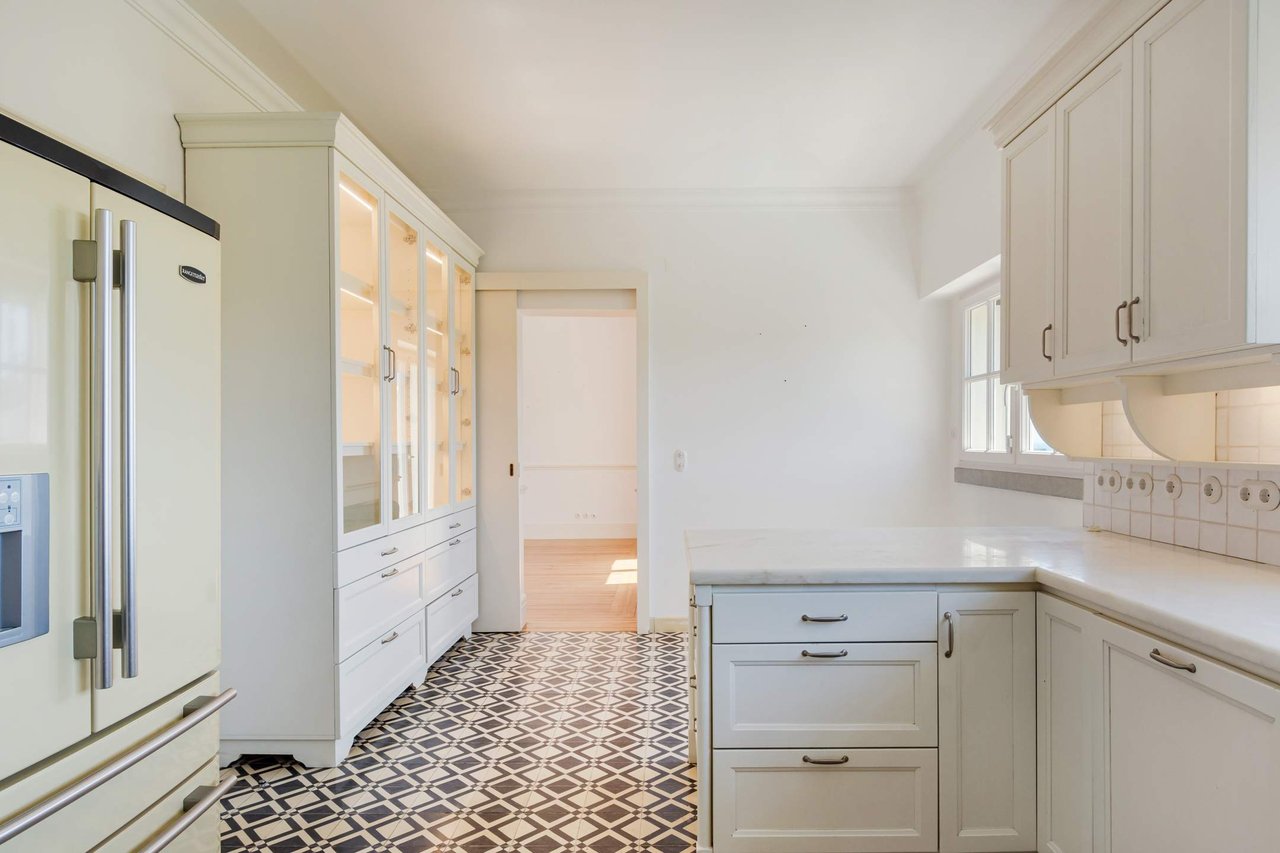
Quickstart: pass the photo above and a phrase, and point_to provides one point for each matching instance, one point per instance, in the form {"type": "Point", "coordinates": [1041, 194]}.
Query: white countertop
{"type": "Point", "coordinates": [1226, 608]}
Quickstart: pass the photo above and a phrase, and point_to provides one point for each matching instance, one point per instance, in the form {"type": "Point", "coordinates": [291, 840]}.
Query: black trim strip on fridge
{"type": "Point", "coordinates": [28, 139]}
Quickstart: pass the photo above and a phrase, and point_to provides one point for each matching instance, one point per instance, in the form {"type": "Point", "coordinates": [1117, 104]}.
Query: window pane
{"type": "Point", "coordinates": [999, 417]}
{"type": "Point", "coordinates": [1031, 440]}
{"type": "Point", "coordinates": [976, 415]}
{"type": "Point", "coordinates": [976, 332]}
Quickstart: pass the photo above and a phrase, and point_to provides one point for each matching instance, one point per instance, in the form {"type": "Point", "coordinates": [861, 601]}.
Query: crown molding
{"type": "Point", "coordinates": [210, 48]}
{"type": "Point", "coordinates": [870, 198]}
{"type": "Point", "coordinates": [1105, 31]}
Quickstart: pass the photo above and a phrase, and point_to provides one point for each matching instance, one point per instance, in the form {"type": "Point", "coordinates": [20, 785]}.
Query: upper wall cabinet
{"type": "Point", "coordinates": [1158, 236]}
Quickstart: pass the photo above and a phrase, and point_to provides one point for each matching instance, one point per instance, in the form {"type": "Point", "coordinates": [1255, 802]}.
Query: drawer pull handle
{"type": "Point", "coordinates": [1169, 662]}
{"type": "Point", "coordinates": [457, 592]}
{"type": "Point", "coordinates": [951, 634]}
{"type": "Point", "coordinates": [392, 551]}
{"type": "Point", "coordinates": [841, 618]}
{"type": "Point", "coordinates": [392, 638]}
{"type": "Point", "coordinates": [844, 759]}
{"type": "Point", "coordinates": [194, 806]}
{"type": "Point", "coordinates": [454, 542]}
{"type": "Point", "coordinates": [455, 525]}
{"type": "Point", "coordinates": [843, 653]}
{"type": "Point", "coordinates": [390, 573]}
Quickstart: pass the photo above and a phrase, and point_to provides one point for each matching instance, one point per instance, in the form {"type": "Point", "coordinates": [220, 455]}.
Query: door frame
{"type": "Point", "coordinates": [637, 282]}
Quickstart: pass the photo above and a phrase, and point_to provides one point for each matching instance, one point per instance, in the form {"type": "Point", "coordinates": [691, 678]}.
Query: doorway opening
{"type": "Point", "coordinates": [577, 450]}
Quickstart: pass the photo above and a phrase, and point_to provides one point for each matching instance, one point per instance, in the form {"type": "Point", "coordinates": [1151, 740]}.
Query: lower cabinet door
{"type": "Point", "coordinates": [987, 722]}
{"type": "Point", "coordinates": [373, 676]}
{"type": "Point", "coordinates": [825, 800]}
{"type": "Point", "coordinates": [1190, 751]}
{"type": "Point", "coordinates": [449, 617]}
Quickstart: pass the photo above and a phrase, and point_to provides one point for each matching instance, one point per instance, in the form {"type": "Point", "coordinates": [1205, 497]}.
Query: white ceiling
{"type": "Point", "coordinates": [483, 95]}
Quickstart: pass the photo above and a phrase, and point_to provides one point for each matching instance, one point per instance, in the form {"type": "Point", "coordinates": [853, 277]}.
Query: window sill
{"type": "Point", "coordinates": [1058, 484]}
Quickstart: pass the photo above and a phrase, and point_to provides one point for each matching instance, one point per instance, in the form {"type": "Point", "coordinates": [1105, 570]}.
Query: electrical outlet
{"type": "Point", "coordinates": [1211, 489]}
{"type": "Point", "coordinates": [1109, 480]}
{"type": "Point", "coordinates": [1260, 495]}
{"type": "Point", "coordinates": [1173, 487]}
{"type": "Point", "coordinates": [1139, 483]}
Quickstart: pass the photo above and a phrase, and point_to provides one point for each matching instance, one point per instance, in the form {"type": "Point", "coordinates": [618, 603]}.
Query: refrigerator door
{"type": "Point", "coordinates": [176, 423]}
{"type": "Point", "coordinates": [43, 313]}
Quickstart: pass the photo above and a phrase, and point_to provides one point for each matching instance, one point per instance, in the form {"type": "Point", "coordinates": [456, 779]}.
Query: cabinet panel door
{"type": "Point", "coordinates": [464, 377]}
{"type": "Point", "coordinates": [1190, 152]}
{"type": "Point", "coordinates": [439, 381]}
{"type": "Point", "coordinates": [1027, 262]}
{"type": "Point", "coordinates": [1068, 669]}
{"type": "Point", "coordinates": [1191, 759]}
{"type": "Point", "coordinates": [404, 379]}
{"type": "Point", "coordinates": [1095, 194]}
{"type": "Point", "coordinates": [987, 721]}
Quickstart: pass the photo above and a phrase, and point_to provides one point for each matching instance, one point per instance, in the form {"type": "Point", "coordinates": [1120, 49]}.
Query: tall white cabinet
{"type": "Point", "coordinates": [348, 427]}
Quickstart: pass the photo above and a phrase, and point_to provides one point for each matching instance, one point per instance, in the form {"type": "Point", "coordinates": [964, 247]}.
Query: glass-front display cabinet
{"type": "Point", "coordinates": [405, 326]}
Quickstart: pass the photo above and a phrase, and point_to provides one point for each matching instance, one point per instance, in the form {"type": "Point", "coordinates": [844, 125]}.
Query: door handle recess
{"type": "Point", "coordinates": [1132, 336]}
{"type": "Point", "coordinates": [1044, 342]}
{"type": "Point", "coordinates": [1170, 662]}
{"type": "Point", "coordinates": [951, 633]}
{"type": "Point", "coordinates": [1119, 308]}
{"type": "Point", "coordinates": [840, 654]}
{"type": "Point", "coordinates": [844, 759]}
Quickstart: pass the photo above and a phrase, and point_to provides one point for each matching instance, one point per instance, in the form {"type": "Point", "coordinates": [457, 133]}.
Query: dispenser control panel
{"type": "Point", "coordinates": [10, 501]}
{"type": "Point", "coordinates": [24, 557]}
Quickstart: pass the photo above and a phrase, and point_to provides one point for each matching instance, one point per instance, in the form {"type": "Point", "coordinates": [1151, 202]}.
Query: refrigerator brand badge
{"type": "Point", "coordinates": [192, 274]}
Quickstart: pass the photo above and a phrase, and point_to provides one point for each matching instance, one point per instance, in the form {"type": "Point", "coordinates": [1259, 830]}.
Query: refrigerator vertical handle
{"type": "Point", "coordinates": [100, 451]}
{"type": "Point", "coordinates": [128, 445]}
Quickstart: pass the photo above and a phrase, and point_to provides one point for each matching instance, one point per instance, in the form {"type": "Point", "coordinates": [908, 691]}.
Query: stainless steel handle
{"type": "Point", "coordinates": [951, 633]}
{"type": "Point", "coordinates": [193, 714]}
{"type": "Point", "coordinates": [395, 366]}
{"type": "Point", "coordinates": [128, 448]}
{"type": "Point", "coordinates": [386, 373]}
{"type": "Point", "coordinates": [844, 759]}
{"type": "Point", "coordinates": [1123, 340]}
{"type": "Point", "coordinates": [390, 552]}
{"type": "Point", "coordinates": [1044, 342]}
{"type": "Point", "coordinates": [841, 618]}
{"type": "Point", "coordinates": [392, 638]}
{"type": "Point", "coordinates": [454, 542]}
{"type": "Point", "coordinates": [1170, 662]}
{"type": "Point", "coordinates": [455, 381]}
{"type": "Point", "coordinates": [457, 592]}
{"type": "Point", "coordinates": [840, 654]}
{"type": "Point", "coordinates": [194, 805]}
{"type": "Point", "coordinates": [455, 525]}
{"type": "Point", "coordinates": [100, 453]}
{"type": "Point", "coordinates": [1132, 336]}
{"type": "Point", "coordinates": [390, 573]}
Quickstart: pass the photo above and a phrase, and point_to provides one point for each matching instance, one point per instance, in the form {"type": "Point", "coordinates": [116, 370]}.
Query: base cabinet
{"type": "Point", "coordinates": [987, 722]}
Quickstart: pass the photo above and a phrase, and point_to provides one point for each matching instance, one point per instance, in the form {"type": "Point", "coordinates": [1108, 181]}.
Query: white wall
{"type": "Point", "coordinates": [578, 425]}
{"type": "Point", "coordinates": [958, 212]}
{"type": "Point", "coordinates": [790, 358]}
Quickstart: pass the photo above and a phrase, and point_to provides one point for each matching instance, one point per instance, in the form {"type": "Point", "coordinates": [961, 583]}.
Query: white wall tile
{"type": "Point", "coordinates": [1213, 537]}
{"type": "Point", "coordinates": [1210, 511]}
{"type": "Point", "coordinates": [1269, 547]}
{"type": "Point", "coordinates": [1242, 543]}
{"type": "Point", "coordinates": [1162, 528]}
{"type": "Point", "coordinates": [1140, 525]}
{"type": "Point", "coordinates": [1120, 521]}
{"type": "Point", "coordinates": [1186, 532]}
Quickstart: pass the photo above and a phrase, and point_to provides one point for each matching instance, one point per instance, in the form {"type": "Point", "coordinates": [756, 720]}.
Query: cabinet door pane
{"type": "Point", "coordinates": [464, 379]}
{"type": "Point", "coordinates": [359, 356]}
{"type": "Point", "coordinates": [404, 331]}
{"type": "Point", "coordinates": [439, 379]}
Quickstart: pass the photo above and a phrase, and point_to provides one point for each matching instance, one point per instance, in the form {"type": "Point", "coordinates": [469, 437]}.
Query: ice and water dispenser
{"type": "Point", "coordinates": [24, 557]}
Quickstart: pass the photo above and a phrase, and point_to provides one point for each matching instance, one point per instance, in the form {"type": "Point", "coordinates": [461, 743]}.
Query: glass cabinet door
{"type": "Point", "coordinates": [404, 368]}
{"type": "Point", "coordinates": [464, 383]}
{"type": "Point", "coordinates": [360, 356]}
{"type": "Point", "coordinates": [439, 378]}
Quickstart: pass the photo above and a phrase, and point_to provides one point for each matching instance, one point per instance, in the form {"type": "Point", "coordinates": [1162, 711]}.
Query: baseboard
{"type": "Point", "coordinates": [579, 531]}
{"type": "Point", "coordinates": [669, 624]}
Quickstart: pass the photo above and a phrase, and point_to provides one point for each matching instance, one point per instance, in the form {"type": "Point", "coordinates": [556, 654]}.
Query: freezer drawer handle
{"type": "Point", "coordinates": [844, 759]}
{"type": "Point", "coordinates": [843, 617]}
{"type": "Point", "coordinates": [194, 805]}
{"type": "Point", "coordinates": [128, 449]}
{"type": "Point", "coordinates": [194, 713]}
{"type": "Point", "coordinates": [1171, 663]}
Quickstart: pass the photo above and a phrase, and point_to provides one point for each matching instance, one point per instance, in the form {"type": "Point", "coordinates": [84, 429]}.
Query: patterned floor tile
{"type": "Point", "coordinates": [529, 743]}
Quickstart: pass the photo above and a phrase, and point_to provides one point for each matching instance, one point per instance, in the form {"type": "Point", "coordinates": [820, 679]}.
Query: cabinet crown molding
{"type": "Point", "coordinates": [324, 130]}
{"type": "Point", "coordinates": [1113, 23]}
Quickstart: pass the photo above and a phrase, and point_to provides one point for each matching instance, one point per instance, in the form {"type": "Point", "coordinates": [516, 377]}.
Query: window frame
{"type": "Point", "coordinates": [1015, 458]}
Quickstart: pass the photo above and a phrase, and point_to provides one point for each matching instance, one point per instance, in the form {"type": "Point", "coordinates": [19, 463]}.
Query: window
{"type": "Point", "coordinates": [996, 424]}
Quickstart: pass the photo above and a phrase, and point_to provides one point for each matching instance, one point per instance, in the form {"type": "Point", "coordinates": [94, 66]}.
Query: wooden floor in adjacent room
{"type": "Point", "coordinates": [580, 584]}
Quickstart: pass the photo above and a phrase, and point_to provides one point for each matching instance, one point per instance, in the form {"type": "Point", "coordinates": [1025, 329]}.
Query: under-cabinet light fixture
{"type": "Point", "coordinates": [346, 189]}
{"type": "Point", "coordinates": [359, 296]}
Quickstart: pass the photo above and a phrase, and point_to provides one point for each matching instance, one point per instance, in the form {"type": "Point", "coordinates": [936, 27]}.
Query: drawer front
{"type": "Point", "coordinates": [449, 564]}
{"type": "Point", "coordinates": [870, 801]}
{"type": "Point", "coordinates": [373, 676]}
{"type": "Point", "coordinates": [362, 560]}
{"type": "Point", "coordinates": [372, 606]}
{"type": "Point", "coordinates": [830, 617]}
{"type": "Point", "coordinates": [200, 837]}
{"type": "Point", "coordinates": [825, 695]}
{"type": "Point", "coordinates": [449, 617]}
{"type": "Point", "coordinates": [106, 809]}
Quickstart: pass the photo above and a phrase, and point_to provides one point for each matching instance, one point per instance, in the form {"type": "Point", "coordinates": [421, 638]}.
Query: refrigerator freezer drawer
{"type": "Point", "coordinates": [103, 811]}
{"type": "Point", "coordinates": [200, 837]}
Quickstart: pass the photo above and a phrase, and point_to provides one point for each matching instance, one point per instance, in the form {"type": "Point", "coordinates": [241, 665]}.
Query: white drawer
{"type": "Point", "coordinates": [450, 616]}
{"type": "Point", "coordinates": [200, 837]}
{"type": "Point", "coordinates": [442, 529]}
{"type": "Point", "coordinates": [373, 676]}
{"type": "Point", "coordinates": [816, 617]}
{"type": "Point", "coordinates": [370, 607]}
{"type": "Point", "coordinates": [825, 695]}
{"type": "Point", "coordinates": [449, 564]}
{"type": "Point", "coordinates": [872, 801]}
{"type": "Point", "coordinates": [361, 560]}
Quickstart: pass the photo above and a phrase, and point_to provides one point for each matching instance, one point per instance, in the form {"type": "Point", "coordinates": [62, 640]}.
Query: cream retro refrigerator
{"type": "Point", "coordinates": [109, 513]}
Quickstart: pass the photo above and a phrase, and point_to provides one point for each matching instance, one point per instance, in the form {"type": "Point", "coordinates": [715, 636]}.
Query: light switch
{"type": "Point", "coordinates": [680, 460]}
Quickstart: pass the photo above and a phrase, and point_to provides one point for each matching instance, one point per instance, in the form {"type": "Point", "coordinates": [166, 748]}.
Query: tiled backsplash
{"type": "Point", "coordinates": [1192, 519]}
{"type": "Point", "coordinates": [1249, 425]}
{"type": "Point", "coordinates": [1118, 438]}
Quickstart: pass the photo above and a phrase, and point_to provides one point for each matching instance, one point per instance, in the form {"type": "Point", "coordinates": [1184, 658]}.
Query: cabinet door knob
{"type": "Point", "coordinates": [1123, 340]}
{"type": "Point", "coordinates": [951, 633]}
{"type": "Point", "coordinates": [1132, 336]}
{"type": "Point", "coordinates": [1044, 342]}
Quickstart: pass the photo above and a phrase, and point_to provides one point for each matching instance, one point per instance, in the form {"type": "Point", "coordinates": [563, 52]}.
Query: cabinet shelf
{"type": "Point", "coordinates": [362, 448]}
{"type": "Point", "coordinates": [356, 367]}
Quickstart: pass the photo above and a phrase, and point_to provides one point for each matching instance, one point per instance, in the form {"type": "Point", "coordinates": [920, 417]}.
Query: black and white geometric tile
{"type": "Point", "coordinates": [515, 742]}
